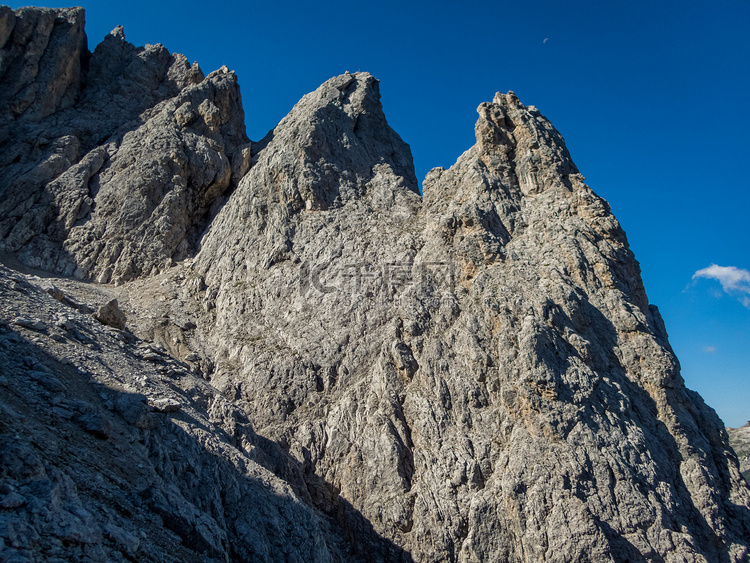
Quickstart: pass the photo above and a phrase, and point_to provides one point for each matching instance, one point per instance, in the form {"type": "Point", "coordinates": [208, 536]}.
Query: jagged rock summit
{"type": "Point", "coordinates": [117, 177]}
{"type": "Point", "coordinates": [317, 363]}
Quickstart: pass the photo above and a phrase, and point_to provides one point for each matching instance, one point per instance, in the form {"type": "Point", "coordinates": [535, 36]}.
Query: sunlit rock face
{"type": "Point", "coordinates": [111, 160]}
{"type": "Point", "coordinates": [323, 354]}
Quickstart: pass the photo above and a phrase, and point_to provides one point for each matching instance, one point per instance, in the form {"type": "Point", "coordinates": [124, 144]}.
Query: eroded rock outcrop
{"type": "Point", "coordinates": [111, 450]}
{"type": "Point", "coordinates": [114, 177]}
{"type": "Point", "coordinates": [471, 375]}
{"type": "Point", "coordinates": [479, 373]}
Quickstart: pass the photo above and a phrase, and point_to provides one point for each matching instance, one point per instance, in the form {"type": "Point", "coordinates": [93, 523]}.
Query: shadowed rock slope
{"type": "Point", "coordinates": [471, 375]}
{"type": "Point", "coordinates": [111, 450]}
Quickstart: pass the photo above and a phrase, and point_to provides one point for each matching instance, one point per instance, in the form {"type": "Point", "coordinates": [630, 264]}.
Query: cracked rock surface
{"type": "Point", "coordinates": [739, 438]}
{"type": "Point", "coordinates": [112, 450]}
{"type": "Point", "coordinates": [309, 360]}
{"type": "Point", "coordinates": [116, 178]}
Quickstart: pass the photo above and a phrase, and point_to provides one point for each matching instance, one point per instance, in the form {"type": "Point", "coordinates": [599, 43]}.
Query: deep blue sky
{"type": "Point", "coordinates": [651, 97]}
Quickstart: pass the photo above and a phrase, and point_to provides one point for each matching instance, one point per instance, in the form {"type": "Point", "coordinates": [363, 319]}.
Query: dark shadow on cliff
{"type": "Point", "coordinates": [143, 472]}
{"type": "Point", "coordinates": [705, 433]}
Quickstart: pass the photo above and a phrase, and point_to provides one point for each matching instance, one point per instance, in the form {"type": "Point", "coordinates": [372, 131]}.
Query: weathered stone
{"type": "Point", "coordinates": [110, 314]}
{"type": "Point", "coordinates": [739, 439]}
{"type": "Point", "coordinates": [47, 380]}
{"type": "Point", "coordinates": [96, 424]}
{"type": "Point", "coordinates": [52, 289]}
{"type": "Point", "coordinates": [42, 52]}
{"type": "Point", "coordinates": [165, 404]}
{"type": "Point", "coordinates": [127, 540]}
{"type": "Point", "coordinates": [65, 322]}
{"type": "Point", "coordinates": [465, 370]}
{"type": "Point", "coordinates": [12, 500]}
{"type": "Point", "coordinates": [101, 178]}
{"type": "Point", "coordinates": [134, 409]}
{"type": "Point", "coordinates": [30, 323]}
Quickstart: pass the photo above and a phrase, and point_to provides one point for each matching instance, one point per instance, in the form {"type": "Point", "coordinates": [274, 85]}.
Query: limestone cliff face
{"type": "Point", "coordinates": [111, 160]}
{"type": "Point", "coordinates": [479, 373]}
{"type": "Point", "coordinates": [475, 374]}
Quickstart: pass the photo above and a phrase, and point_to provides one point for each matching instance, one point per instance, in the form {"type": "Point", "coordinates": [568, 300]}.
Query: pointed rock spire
{"type": "Point", "coordinates": [333, 144]}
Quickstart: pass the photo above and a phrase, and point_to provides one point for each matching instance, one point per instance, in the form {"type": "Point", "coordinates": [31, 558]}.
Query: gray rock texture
{"type": "Point", "coordinates": [110, 314]}
{"type": "Point", "coordinates": [319, 363]}
{"type": "Point", "coordinates": [479, 373]}
{"type": "Point", "coordinates": [117, 177]}
{"type": "Point", "coordinates": [739, 439]}
{"type": "Point", "coordinates": [111, 450]}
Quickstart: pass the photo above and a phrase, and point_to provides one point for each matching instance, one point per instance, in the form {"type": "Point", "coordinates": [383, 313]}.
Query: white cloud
{"type": "Point", "coordinates": [709, 349]}
{"type": "Point", "coordinates": [735, 281]}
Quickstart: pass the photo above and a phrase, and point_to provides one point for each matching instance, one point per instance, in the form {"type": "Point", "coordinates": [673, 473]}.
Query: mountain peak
{"type": "Point", "coordinates": [339, 135]}
{"type": "Point", "coordinates": [118, 32]}
{"type": "Point", "coordinates": [316, 363]}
